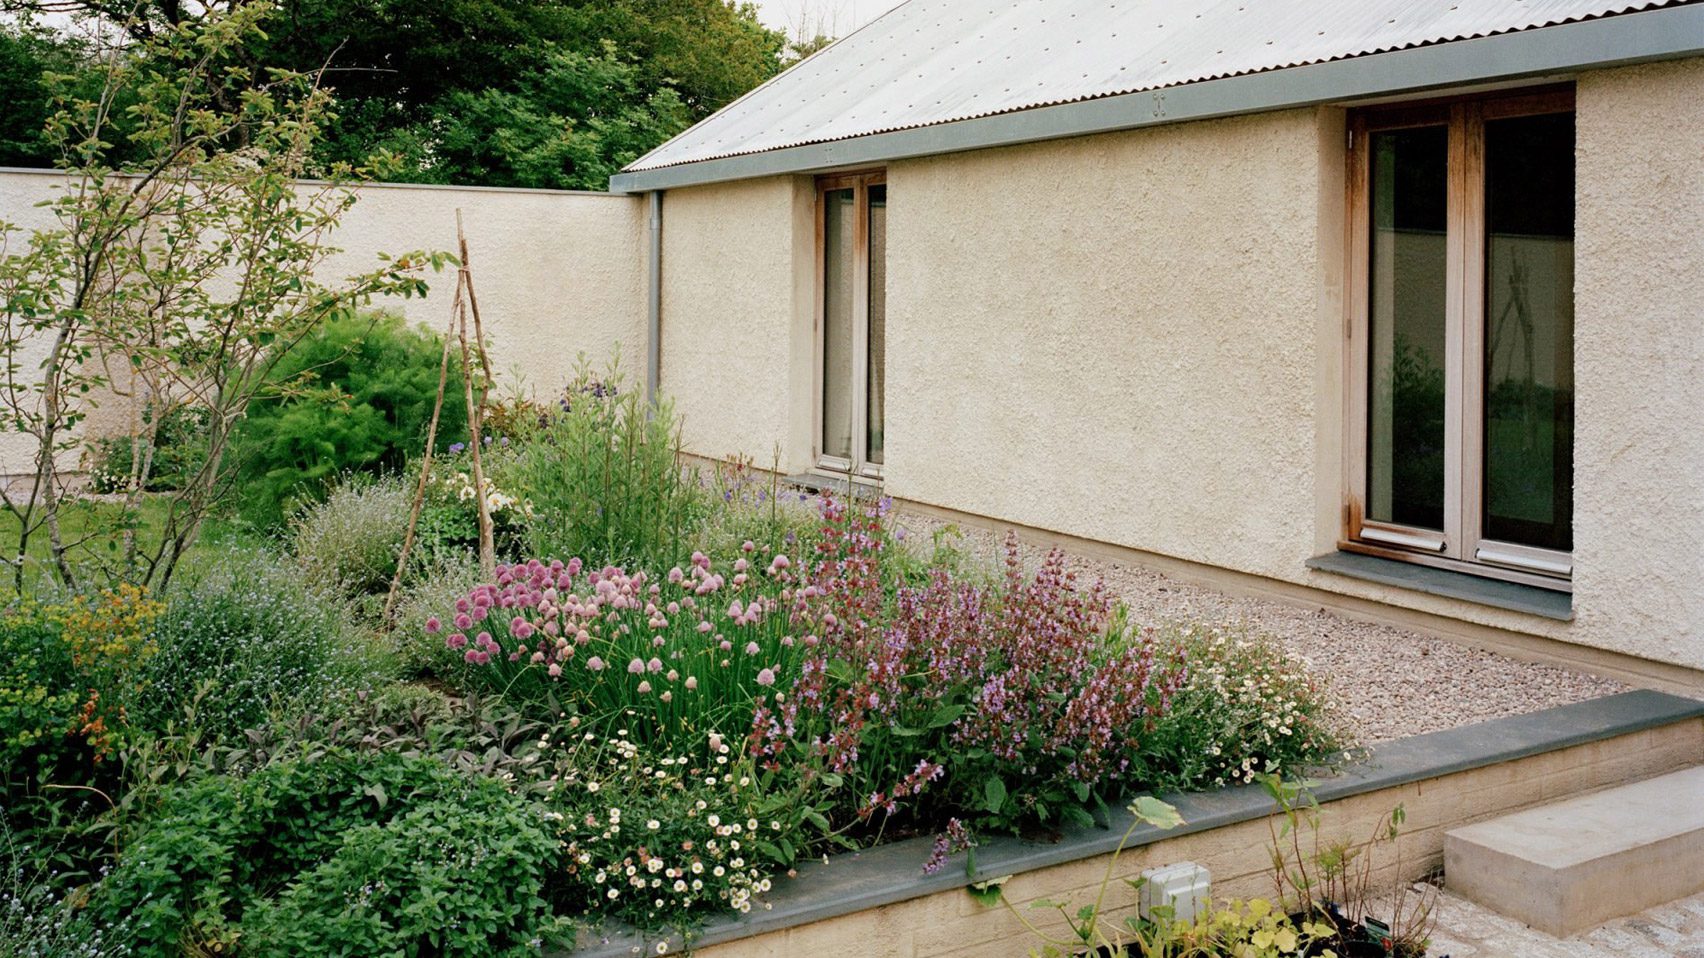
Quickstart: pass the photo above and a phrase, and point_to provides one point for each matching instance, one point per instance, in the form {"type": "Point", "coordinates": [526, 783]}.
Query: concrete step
{"type": "Point", "coordinates": [1570, 866]}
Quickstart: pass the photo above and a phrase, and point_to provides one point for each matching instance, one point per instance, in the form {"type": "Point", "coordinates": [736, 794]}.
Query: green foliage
{"type": "Point", "coordinates": [351, 540]}
{"type": "Point", "coordinates": [68, 670]}
{"type": "Point", "coordinates": [1245, 708]}
{"type": "Point", "coordinates": [604, 479]}
{"type": "Point", "coordinates": [179, 442]}
{"type": "Point", "coordinates": [193, 254]}
{"type": "Point", "coordinates": [246, 636]}
{"type": "Point", "coordinates": [30, 56]}
{"type": "Point", "coordinates": [38, 920]}
{"type": "Point", "coordinates": [356, 396]}
{"type": "Point", "coordinates": [338, 853]}
{"type": "Point", "coordinates": [488, 92]}
{"type": "Point", "coordinates": [568, 122]}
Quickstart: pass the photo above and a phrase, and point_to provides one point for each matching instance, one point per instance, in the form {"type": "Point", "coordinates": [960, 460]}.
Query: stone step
{"type": "Point", "coordinates": [1570, 866]}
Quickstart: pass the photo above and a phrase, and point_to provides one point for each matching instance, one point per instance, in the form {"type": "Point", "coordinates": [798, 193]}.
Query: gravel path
{"type": "Point", "coordinates": [1390, 683]}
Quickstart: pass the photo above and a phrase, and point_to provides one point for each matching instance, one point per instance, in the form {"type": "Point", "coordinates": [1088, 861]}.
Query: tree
{"type": "Point", "coordinates": [569, 125]}
{"type": "Point", "coordinates": [29, 57]}
{"type": "Point", "coordinates": [193, 267]}
{"type": "Point", "coordinates": [403, 72]}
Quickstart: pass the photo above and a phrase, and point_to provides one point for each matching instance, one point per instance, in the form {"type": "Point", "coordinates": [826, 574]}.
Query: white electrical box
{"type": "Point", "coordinates": [1184, 887]}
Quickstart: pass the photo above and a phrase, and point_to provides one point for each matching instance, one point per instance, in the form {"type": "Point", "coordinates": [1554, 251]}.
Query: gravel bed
{"type": "Point", "coordinates": [1389, 683]}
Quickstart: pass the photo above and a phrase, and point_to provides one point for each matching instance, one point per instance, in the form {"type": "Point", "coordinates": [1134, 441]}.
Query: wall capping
{"type": "Point", "coordinates": [375, 185]}
{"type": "Point", "coordinates": [890, 874]}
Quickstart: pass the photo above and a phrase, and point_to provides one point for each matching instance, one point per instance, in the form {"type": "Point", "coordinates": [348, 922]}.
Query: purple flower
{"type": "Point", "coordinates": [457, 447]}
{"type": "Point", "coordinates": [433, 626]}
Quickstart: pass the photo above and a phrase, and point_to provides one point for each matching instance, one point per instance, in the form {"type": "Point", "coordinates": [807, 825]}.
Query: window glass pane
{"type": "Point", "coordinates": [1529, 330]}
{"type": "Point", "coordinates": [1405, 428]}
{"type": "Point", "coordinates": [878, 317]}
{"type": "Point", "coordinates": [838, 245]}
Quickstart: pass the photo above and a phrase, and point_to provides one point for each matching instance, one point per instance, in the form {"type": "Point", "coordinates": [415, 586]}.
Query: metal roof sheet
{"type": "Point", "coordinates": [928, 62]}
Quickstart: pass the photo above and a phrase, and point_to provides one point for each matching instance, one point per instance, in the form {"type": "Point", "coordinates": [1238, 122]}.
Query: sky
{"type": "Point", "coordinates": [807, 18]}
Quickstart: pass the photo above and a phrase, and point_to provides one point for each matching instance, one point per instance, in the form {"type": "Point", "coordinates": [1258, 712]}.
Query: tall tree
{"type": "Point", "coordinates": [420, 77]}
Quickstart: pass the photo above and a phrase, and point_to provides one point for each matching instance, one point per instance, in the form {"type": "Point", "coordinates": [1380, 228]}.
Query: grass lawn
{"type": "Point", "coordinates": [93, 531]}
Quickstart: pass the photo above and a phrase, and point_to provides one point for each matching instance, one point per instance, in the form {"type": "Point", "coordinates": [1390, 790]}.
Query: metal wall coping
{"type": "Point", "coordinates": [1662, 34]}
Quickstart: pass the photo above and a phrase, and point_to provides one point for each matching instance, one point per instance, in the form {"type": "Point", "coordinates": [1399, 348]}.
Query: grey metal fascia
{"type": "Point", "coordinates": [1661, 34]}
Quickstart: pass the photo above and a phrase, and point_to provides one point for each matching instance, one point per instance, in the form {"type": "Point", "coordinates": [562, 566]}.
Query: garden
{"type": "Point", "coordinates": [345, 648]}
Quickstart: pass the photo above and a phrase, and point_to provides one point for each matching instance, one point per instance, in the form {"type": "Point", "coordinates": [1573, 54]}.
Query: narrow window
{"type": "Point", "coordinates": [1461, 348]}
{"type": "Point", "coordinates": [851, 323]}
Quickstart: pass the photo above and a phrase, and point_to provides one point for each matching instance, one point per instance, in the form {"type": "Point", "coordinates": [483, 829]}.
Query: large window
{"type": "Point", "coordinates": [1461, 440]}
{"type": "Point", "coordinates": [851, 322]}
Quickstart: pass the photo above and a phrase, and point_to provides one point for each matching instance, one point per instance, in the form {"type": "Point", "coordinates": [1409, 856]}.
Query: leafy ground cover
{"type": "Point", "coordinates": [713, 679]}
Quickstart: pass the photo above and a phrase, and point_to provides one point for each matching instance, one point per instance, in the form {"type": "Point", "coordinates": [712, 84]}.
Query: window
{"type": "Point", "coordinates": [851, 322]}
{"type": "Point", "coordinates": [1461, 433]}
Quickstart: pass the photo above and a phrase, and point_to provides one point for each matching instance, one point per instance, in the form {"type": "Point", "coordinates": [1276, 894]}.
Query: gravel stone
{"type": "Point", "coordinates": [1388, 683]}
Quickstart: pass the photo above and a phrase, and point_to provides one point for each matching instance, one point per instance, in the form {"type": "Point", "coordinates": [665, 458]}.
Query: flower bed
{"type": "Point", "coordinates": [730, 681]}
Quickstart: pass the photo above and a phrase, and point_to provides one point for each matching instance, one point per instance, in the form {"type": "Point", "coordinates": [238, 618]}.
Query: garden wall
{"type": "Point", "coordinates": [558, 273]}
{"type": "Point", "coordinates": [1137, 339]}
{"type": "Point", "coordinates": [877, 903]}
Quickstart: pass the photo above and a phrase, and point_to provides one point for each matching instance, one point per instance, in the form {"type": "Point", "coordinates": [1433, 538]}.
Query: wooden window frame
{"type": "Point", "coordinates": [1461, 546]}
{"type": "Point", "coordinates": [858, 465]}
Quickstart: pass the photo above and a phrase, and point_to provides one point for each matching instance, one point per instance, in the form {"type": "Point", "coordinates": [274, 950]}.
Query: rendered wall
{"type": "Point", "coordinates": [1137, 339]}
{"type": "Point", "coordinates": [557, 273]}
{"type": "Point", "coordinates": [737, 342]}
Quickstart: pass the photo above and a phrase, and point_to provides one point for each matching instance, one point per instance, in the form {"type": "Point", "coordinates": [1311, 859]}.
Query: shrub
{"type": "Point", "coordinates": [366, 853]}
{"type": "Point", "coordinates": [604, 479]}
{"type": "Point", "coordinates": [354, 397]}
{"type": "Point", "coordinates": [246, 636]}
{"type": "Point", "coordinates": [1246, 708]}
{"type": "Point", "coordinates": [69, 669]}
{"type": "Point", "coordinates": [351, 540]}
{"type": "Point", "coordinates": [180, 451]}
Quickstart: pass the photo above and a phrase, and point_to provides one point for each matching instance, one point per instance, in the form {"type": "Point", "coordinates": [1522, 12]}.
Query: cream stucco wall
{"type": "Point", "coordinates": [737, 342]}
{"type": "Point", "coordinates": [1137, 339]}
{"type": "Point", "coordinates": [1639, 366]}
{"type": "Point", "coordinates": [557, 273]}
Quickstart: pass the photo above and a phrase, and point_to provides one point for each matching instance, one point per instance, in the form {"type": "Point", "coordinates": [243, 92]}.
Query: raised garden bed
{"type": "Point", "coordinates": [879, 903]}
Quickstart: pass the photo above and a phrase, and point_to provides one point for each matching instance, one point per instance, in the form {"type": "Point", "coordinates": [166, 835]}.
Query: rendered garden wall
{"type": "Point", "coordinates": [557, 274]}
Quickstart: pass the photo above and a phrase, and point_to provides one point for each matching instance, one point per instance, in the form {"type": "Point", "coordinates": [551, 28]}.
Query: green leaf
{"type": "Point", "coordinates": [988, 893]}
{"type": "Point", "coordinates": [832, 779]}
{"type": "Point", "coordinates": [945, 715]}
{"type": "Point", "coordinates": [1155, 812]}
{"type": "Point", "coordinates": [993, 793]}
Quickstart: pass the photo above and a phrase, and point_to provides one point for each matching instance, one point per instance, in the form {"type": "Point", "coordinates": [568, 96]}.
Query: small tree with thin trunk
{"type": "Point", "coordinates": [182, 277]}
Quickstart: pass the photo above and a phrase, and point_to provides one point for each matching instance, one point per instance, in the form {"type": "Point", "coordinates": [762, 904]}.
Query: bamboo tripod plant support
{"type": "Point", "coordinates": [464, 303]}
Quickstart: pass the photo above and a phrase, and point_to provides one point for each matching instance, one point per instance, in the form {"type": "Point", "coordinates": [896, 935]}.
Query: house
{"type": "Point", "coordinates": [1392, 306]}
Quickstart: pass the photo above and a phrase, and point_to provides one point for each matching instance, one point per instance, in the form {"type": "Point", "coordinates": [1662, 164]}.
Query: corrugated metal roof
{"type": "Point", "coordinates": [935, 61]}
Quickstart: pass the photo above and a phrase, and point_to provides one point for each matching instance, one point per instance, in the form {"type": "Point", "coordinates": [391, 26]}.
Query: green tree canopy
{"type": "Point", "coordinates": [540, 93]}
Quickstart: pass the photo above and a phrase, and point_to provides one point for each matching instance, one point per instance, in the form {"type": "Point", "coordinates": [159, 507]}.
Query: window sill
{"type": "Point", "coordinates": [817, 482]}
{"type": "Point", "coordinates": [1513, 596]}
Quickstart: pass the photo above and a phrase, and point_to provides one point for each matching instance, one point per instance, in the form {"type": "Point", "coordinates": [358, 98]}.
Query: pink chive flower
{"type": "Point", "coordinates": [752, 648]}
{"type": "Point", "coordinates": [595, 664]}
{"type": "Point", "coordinates": [766, 677]}
{"type": "Point", "coordinates": [692, 683]}
{"type": "Point", "coordinates": [433, 626]}
{"type": "Point", "coordinates": [644, 688]}
{"type": "Point", "coordinates": [636, 667]}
